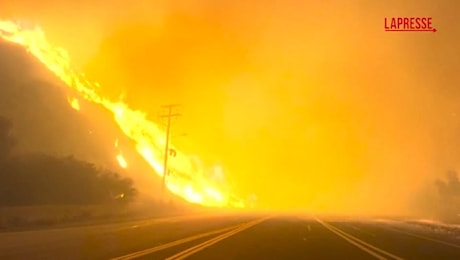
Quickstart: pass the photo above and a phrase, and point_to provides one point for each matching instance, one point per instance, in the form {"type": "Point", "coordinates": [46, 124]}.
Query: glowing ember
{"type": "Point", "coordinates": [189, 183]}
{"type": "Point", "coordinates": [121, 161]}
{"type": "Point", "coordinates": [74, 103]}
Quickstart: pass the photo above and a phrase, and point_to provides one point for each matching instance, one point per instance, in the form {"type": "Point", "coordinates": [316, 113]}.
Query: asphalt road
{"type": "Point", "coordinates": [235, 236]}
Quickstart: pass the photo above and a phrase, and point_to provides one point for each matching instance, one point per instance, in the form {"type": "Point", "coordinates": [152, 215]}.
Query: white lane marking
{"type": "Point", "coordinates": [367, 244]}
{"type": "Point", "coordinates": [193, 250]}
{"type": "Point", "coordinates": [424, 237]}
{"type": "Point", "coordinates": [175, 243]}
{"type": "Point", "coordinates": [353, 242]}
{"type": "Point", "coordinates": [359, 241]}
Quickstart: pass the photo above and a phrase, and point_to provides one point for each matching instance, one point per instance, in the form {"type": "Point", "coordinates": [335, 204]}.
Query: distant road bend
{"type": "Point", "coordinates": [235, 236]}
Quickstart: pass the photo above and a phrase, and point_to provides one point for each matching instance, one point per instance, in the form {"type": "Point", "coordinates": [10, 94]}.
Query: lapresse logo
{"type": "Point", "coordinates": [409, 24]}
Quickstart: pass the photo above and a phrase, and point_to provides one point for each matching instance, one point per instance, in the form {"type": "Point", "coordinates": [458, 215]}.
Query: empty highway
{"type": "Point", "coordinates": [237, 236]}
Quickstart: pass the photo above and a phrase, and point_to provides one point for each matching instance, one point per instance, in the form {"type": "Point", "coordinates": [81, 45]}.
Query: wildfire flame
{"type": "Point", "coordinates": [149, 139]}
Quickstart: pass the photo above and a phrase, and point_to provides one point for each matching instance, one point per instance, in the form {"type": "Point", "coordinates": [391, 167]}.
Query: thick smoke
{"type": "Point", "coordinates": [308, 105]}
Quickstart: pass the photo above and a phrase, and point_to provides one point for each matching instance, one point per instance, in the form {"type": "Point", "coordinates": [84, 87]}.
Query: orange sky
{"type": "Point", "coordinates": [307, 105]}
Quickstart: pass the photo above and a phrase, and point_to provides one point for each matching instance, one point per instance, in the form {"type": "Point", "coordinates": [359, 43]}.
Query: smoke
{"type": "Point", "coordinates": [6, 139]}
{"type": "Point", "coordinates": [307, 105]}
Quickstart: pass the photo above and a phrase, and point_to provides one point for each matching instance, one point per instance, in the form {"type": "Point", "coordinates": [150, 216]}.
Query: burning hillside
{"type": "Point", "coordinates": [77, 119]}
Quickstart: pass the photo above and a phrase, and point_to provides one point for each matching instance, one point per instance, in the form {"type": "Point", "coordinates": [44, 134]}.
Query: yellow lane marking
{"type": "Point", "coordinates": [192, 250]}
{"type": "Point", "coordinates": [352, 241]}
{"type": "Point", "coordinates": [359, 243]}
{"type": "Point", "coordinates": [175, 243]}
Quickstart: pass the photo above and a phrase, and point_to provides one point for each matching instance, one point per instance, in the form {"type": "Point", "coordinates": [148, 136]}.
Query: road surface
{"type": "Point", "coordinates": [236, 236]}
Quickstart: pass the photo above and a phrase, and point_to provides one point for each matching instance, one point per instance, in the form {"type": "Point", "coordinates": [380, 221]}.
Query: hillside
{"type": "Point", "coordinates": [44, 122]}
{"type": "Point", "coordinates": [59, 156]}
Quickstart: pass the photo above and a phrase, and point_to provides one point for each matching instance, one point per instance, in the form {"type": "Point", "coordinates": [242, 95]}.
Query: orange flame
{"type": "Point", "coordinates": [149, 139]}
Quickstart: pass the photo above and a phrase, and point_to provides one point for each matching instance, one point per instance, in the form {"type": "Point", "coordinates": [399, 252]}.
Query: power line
{"type": "Point", "coordinates": [168, 115]}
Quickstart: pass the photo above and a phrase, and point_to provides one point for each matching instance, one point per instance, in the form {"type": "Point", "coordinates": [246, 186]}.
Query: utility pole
{"type": "Point", "coordinates": [168, 115]}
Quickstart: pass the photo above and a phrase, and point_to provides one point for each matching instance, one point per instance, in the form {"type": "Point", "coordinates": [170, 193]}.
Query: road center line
{"type": "Point", "coordinates": [177, 242]}
{"type": "Point", "coordinates": [359, 243]}
{"type": "Point", "coordinates": [192, 250]}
